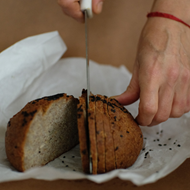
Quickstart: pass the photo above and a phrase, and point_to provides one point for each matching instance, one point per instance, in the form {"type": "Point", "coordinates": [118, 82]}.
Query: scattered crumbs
{"type": "Point", "coordinates": [145, 156]}
{"type": "Point", "coordinates": [150, 150]}
{"type": "Point", "coordinates": [73, 156]}
{"type": "Point", "coordinates": [62, 161]}
{"type": "Point", "coordinates": [161, 131]}
{"type": "Point", "coordinates": [159, 144]}
{"type": "Point", "coordinates": [66, 166]}
{"type": "Point", "coordinates": [165, 144]}
{"type": "Point", "coordinates": [74, 170]}
{"type": "Point", "coordinates": [154, 140]}
{"type": "Point", "coordinates": [157, 133]}
{"type": "Point", "coordinates": [170, 148]}
{"type": "Point", "coordinates": [158, 139]}
{"type": "Point", "coordinates": [146, 153]}
{"type": "Point", "coordinates": [169, 139]}
{"type": "Point", "coordinates": [178, 145]}
{"type": "Point", "coordinates": [39, 152]}
{"type": "Point", "coordinates": [145, 138]}
{"type": "Point", "coordinates": [63, 156]}
{"type": "Point", "coordinates": [143, 149]}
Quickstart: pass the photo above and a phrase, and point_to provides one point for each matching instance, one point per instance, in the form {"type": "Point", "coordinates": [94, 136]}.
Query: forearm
{"type": "Point", "coordinates": [178, 8]}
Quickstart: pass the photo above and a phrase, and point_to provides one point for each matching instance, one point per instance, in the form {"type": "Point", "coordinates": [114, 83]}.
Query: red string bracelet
{"type": "Point", "coordinates": [166, 15]}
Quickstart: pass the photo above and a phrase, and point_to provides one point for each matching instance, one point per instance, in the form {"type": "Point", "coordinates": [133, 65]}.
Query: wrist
{"type": "Point", "coordinates": [180, 9]}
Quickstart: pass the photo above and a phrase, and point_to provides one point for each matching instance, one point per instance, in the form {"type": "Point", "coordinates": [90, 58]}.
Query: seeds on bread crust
{"type": "Point", "coordinates": [127, 135]}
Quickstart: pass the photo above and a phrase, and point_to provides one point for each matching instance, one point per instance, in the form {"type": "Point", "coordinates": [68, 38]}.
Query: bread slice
{"type": "Point", "coordinates": [92, 132]}
{"type": "Point", "coordinates": [109, 143]}
{"type": "Point", "coordinates": [43, 130]}
{"type": "Point", "coordinates": [82, 133]}
{"type": "Point", "coordinates": [100, 135]}
{"type": "Point", "coordinates": [127, 135]}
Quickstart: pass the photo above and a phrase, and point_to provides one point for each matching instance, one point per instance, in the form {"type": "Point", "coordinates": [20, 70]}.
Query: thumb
{"type": "Point", "coordinates": [131, 94]}
{"type": "Point", "coordinates": [97, 6]}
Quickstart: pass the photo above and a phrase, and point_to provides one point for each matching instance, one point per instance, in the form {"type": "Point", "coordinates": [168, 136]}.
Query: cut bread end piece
{"type": "Point", "coordinates": [43, 130]}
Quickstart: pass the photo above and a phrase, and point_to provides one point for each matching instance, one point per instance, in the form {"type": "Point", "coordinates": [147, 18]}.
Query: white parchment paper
{"type": "Point", "coordinates": [31, 69]}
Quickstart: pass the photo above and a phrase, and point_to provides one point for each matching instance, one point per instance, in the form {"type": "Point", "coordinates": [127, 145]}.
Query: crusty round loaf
{"type": "Point", "coordinates": [43, 130]}
{"type": "Point", "coordinates": [47, 127]}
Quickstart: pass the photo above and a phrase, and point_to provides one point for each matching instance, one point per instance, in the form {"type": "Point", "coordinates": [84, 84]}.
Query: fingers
{"type": "Point", "coordinates": [148, 105]}
{"type": "Point", "coordinates": [181, 98]}
{"type": "Point", "coordinates": [72, 8]}
{"type": "Point", "coordinates": [132, 93]}
{"type": "Point", "coordinates": [165, 100]}
{"type": "Point", "coordinates": [97, 6]}
{"type": "Point", "coordinates": [169, 101]}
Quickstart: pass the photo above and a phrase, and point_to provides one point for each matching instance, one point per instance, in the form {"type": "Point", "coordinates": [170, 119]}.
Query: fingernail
{"type": "Point", "coordinates": [99, 7]}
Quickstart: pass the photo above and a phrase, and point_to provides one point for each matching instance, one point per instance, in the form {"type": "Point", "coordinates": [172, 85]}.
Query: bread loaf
{"type": "Point", "coordinates": [47, 127]}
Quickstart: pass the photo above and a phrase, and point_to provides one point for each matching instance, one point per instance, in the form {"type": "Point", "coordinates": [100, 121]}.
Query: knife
{"type": "Point", "coordinates": [86, 7]}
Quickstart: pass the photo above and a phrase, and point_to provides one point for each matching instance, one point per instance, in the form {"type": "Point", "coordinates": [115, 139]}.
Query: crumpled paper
{"type": "Point", "coordinates": [31, 69]}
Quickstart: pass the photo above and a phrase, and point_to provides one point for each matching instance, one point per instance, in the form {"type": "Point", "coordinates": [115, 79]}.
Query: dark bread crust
{"type": "Point", "coordinates": [19, 125]}
{"type": "Point", "coordinates": [100, 135]}
{"type": "Point", "coordinates": [127, 135]}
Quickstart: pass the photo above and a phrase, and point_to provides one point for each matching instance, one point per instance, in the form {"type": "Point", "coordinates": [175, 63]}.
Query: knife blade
{"type": "Point", "coordinates": [86, 7]}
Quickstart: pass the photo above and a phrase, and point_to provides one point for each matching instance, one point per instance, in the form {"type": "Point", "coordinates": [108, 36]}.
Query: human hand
{"type": "Point", "coordinates": [72, 8]}
{"type": "Point", "coordinates": [161, 75]}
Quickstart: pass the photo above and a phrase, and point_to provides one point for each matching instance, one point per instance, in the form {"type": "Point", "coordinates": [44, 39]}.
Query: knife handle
{"type": "Point", "coordinates": [86, 5]}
